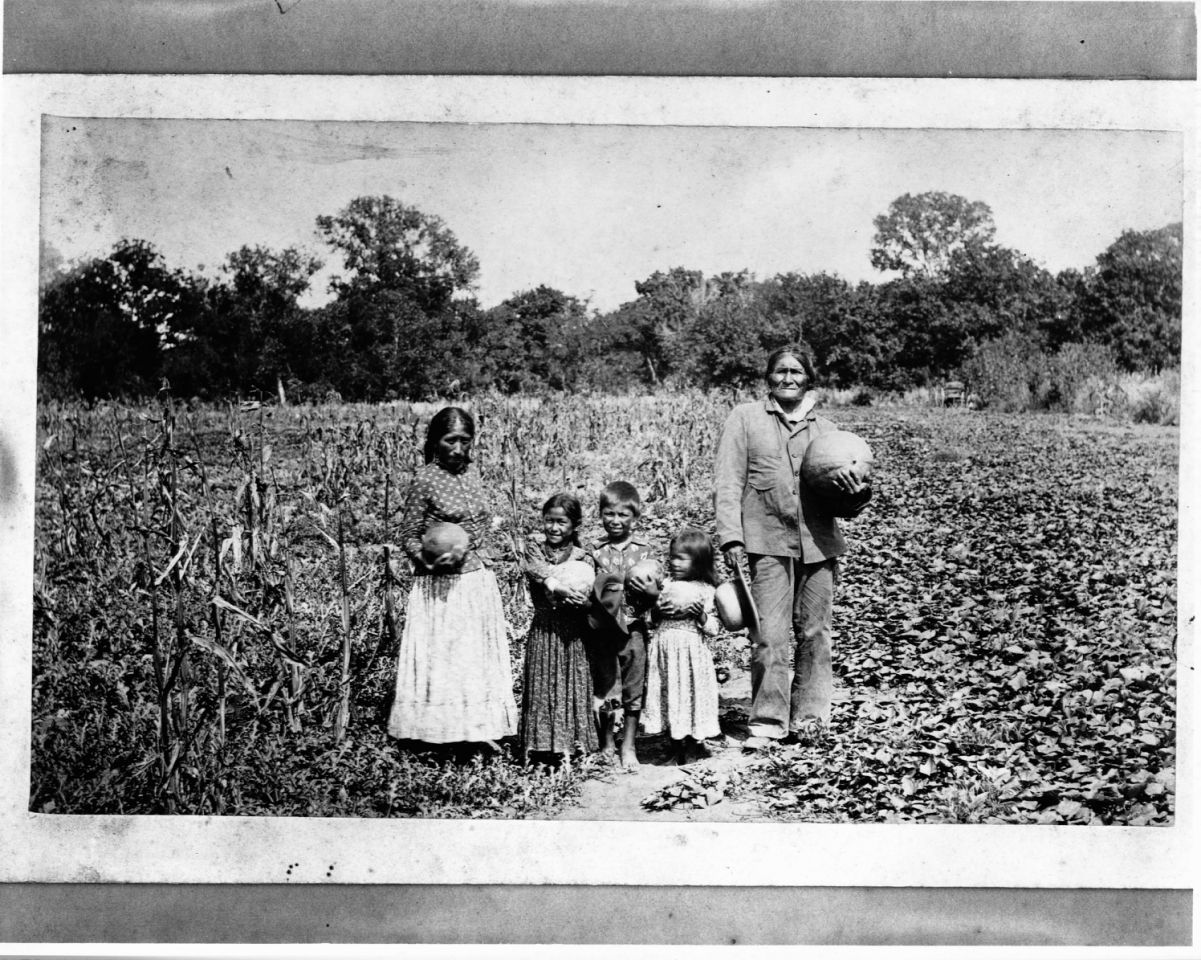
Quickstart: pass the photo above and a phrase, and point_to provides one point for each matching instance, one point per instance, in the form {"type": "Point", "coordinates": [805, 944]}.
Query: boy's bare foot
{"type": "Point", "coordinates": [628, 758]}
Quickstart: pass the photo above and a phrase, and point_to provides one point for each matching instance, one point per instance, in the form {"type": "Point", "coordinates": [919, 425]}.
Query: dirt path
{"type": "Point", "coordinates": [618, 795]}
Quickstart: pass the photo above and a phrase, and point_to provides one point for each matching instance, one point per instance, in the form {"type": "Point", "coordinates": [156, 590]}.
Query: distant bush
{"type": "Point", "coordinates": [1083, 378]}
{"type": "Point", "coordinates": [860, 396]}
{"type": "Point", "coordinates": [1153, 399]}
{"type": "Point", "coordinates": [1009, 373]}
{"type": "Point", "coordinates": [1013, 373]}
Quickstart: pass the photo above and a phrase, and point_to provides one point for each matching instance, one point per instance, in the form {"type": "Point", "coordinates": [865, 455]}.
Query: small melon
{"type": "Point", "coordinates": [575, 575]}
{"type": "Point", "coordinates": [681, 593]}
{"type": "Point", "coordinates": [729, 606]}
{"type": "Point", "coordinates": [444, 542]}
{"type": "Point", "coordinates": [649, 569]}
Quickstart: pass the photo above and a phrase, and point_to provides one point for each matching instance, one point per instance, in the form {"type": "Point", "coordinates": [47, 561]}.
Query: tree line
{"type": "Point", "coordinates": [403, 322]}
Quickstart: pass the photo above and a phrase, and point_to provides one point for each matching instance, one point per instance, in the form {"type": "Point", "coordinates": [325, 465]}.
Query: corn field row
{"type": "Point", "coordinates": [230, 572]}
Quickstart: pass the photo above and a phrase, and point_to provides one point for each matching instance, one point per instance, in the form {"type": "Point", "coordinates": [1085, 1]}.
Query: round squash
{"type": "Point", "coordinates": [575, 575]}
{"type": "Point", "coordinates": [645, 568]}
{"type": "Point", "coordinates": [681, 592]}
{"type": "Point", "coordinates": [825, 456]}
{"type": "Point", "coordinates": [729, 606]}
{"type": "Point", "coordinates": [444, 543]}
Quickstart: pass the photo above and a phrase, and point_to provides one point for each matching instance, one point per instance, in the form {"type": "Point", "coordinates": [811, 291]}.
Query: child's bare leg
{"type": "Point", "coordinates": [629, 758]}
{"type": "Point", "coordinates": [608, 738]}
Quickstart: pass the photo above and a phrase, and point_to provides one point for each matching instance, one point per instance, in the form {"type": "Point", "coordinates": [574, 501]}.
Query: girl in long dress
{"type": "Point", "coordinates": [453, 679]}
{"type": "Point", "coordinates": [556, 707]}
{"type": "Point", "coordinates": [681, 683]}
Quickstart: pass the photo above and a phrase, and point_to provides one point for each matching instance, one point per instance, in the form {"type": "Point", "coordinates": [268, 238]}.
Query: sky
{"type": "Point", "coordinates": [592, 209]}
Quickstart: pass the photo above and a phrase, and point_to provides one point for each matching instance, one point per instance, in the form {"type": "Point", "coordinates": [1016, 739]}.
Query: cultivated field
{"type": "Point", "coordinates": [215, 630]}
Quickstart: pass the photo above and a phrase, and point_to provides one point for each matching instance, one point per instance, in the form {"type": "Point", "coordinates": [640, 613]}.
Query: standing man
{"type": "Point", "coordinates": [768, 518]}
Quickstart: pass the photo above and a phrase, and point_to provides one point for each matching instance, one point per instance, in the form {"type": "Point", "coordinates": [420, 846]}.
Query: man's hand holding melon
{"type": "Point", "coordinates": [837, 466]}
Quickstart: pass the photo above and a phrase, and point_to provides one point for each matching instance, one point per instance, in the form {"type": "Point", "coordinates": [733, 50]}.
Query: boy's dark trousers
{"type": "Point", "coordinates": [618, 662]}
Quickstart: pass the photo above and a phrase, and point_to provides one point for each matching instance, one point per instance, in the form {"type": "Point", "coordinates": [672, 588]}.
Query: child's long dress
{"type": "Point", "coordinates": [453, 677]}
{"type": "Point", "coordinates": [681, 683]}
{"type": "Point", "coordinates": [556, 706]}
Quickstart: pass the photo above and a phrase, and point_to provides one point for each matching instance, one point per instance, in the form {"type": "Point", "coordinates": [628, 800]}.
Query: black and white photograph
{"type": "Point", "coordinates": [396, 470]}
{"type": "Point", "coordinates": [448, 478]}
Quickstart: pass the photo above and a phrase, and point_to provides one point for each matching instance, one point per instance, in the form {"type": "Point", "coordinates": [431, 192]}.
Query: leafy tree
{"type": "Point", "coordinates": [244, 340]}
{"type": "Point", "coordinates": [387, 245]}
{"type": "Point", "coordinates": [269, 281]}
{"type": "Point", "coordinates": [395, 315]}
{"type": "Point", "coordinates": [810, 308]}
{"type": "Point", "coordinates": [1011, 291]}
{"type": "Point", "coordinates": [726, 337]}
{"type": "Point", "coordinates": [930, 333]}
{"type": "Point", "coordinates": [530, 339]}
{"type": "Point", "coordinates": [1132, 300]}
{"type": "Point", "coordinates": [102, 324]}
{"type": "Point", "coordinates": [668, 305]}
{"type": "Point", "coordinates": [606, 353]}
{"type": "Point", "coordinates": [919, 234]}
{"type": "Point", "coordinates": [1066, 326]}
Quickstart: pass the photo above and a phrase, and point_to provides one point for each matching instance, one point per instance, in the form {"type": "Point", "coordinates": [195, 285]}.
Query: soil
{"type": "Point", "coordinates": [618, 793]}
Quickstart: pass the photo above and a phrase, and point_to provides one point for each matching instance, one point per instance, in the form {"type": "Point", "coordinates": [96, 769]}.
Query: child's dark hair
{"type": "Point", "coordinates": [571, 507]}
{"type": "Point", "coordinates": [443, 422]}
{"type": "Point", "coordinates": [698, 545]}
{"type": "Point", "coordinates": [621, 494]}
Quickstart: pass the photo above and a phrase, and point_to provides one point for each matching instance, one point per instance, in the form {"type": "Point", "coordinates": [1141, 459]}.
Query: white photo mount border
{"type": "Point", "coordinates": [67, 848]}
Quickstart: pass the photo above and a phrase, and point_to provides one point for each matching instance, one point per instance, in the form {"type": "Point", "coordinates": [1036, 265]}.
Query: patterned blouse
{"type": "Point", "coordinates": [438, 495]}
{"type": "Point", "coordinates": [539, 558]}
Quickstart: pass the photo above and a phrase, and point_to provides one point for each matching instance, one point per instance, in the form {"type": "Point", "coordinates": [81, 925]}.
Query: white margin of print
{"type": "Point", "coordinates": [39, 847]}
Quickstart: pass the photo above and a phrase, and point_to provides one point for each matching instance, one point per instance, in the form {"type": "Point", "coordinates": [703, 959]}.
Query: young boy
{"type": "Point", "coordinates": [620, 655]}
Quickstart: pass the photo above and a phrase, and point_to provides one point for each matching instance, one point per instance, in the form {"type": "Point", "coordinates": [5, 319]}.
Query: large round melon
{"type": "Point", "coordinates": [649, 569]}
{"type": "Point", "coordinates": [828, 454]}
{"type": "Point", "coordinates": [574, 575]}
{"type": "Point", "coordinates": [445, 542]}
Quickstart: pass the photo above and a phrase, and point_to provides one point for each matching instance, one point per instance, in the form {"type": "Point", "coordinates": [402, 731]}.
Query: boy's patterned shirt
{"type": "Point", "coordinates": [610, 558]}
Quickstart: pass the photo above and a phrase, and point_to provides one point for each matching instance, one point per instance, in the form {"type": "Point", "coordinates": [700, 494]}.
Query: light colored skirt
{"type": "Point", "coordinates": [453, 677]}
{"type": "Point", "coordinates": [681, 684]}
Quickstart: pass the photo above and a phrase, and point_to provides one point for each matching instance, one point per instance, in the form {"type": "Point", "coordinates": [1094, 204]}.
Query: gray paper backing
{"type": "Point", "coordinates": [1033, 40]}
{"type": "Point", "coordinates": [677, 38]}
{"type": "Point", "coordinates": [578, 915]}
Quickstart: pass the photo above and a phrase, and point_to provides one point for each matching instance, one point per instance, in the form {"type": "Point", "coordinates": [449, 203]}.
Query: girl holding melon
{"type": "Point", "coordinates": [452, 678]}
{"type": "Point", "coordinates": [772, 519]}
{"type": "Point", "coordinates": [556, 708]}
{"type": "Point", "coordinates": [681, 683]}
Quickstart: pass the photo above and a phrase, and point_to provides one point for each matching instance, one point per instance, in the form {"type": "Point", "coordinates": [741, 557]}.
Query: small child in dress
{"type": "Point", "coordinates": [556, 707]}
{"type": "Point", "coordinates": [681, 684]}
{"type": "Point", "coordinates": [619, 654]}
